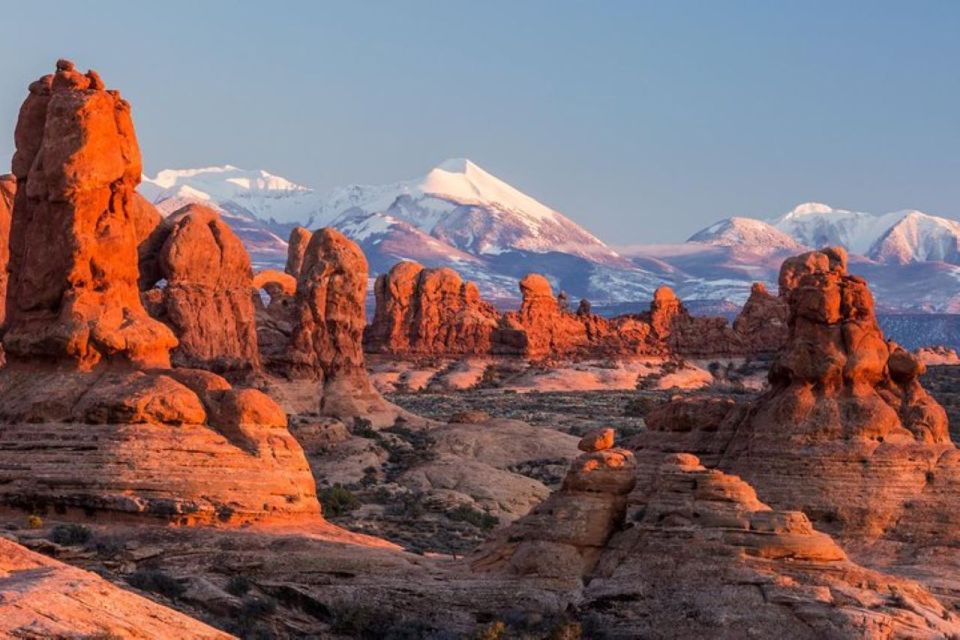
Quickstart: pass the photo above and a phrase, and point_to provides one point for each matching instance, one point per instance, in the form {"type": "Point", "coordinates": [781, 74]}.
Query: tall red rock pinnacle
{"type": "Point", "coordinates": [8, 190]}
{"type": "Point", "coordinates": [77, 165]}
{"type": "Point", "coordinates": [762, 323]}
{"type": "Point", "coordinates": [429, 311]}
{"type": "Point", "coordinates": [296, 248]}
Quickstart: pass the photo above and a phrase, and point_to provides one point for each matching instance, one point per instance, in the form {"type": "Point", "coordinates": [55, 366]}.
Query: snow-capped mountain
{"type": "Point", "coordinates": [457, 215]}
{"type": "Point", "coordinates": [461, 216]}
{"type": "Point", "coordinates": [733, 232]}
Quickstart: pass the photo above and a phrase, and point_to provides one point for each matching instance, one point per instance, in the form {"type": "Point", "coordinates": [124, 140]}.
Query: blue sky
{"type": "Point", "coordinates": [642, 121]}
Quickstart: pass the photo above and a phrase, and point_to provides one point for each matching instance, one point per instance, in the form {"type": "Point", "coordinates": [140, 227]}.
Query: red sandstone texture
{"type": "Point", "coordinates": [8, 190]}
{"type": "Point", "coordinates": [422, 312]}
{"type": "Point", "coordinates": [77, 164]}
{"type": "Point", "coordinates": [88, 378]}
{"type": "Point", "coordinates": [846, 433]}
{"type": "Point", "coordinates": [429, 311]}
{"type": "Point", "coordinates": [207, 299]}
{"type": "Point", "coordinates": [296, 249]}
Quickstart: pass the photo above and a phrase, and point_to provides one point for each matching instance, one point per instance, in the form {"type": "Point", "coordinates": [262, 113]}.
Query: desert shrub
{"type": "Point", "coordinates": [337, 500]}
{"type": "Point", "coordinates": [238, 585]}
{"type": "Point", "coordinates": [35, 522]}
{"type": "Point", "coordinates": [70, 534]}
{"type": "Point", "coordinates": [493, 631]}
{"type": "Point", "coordinates": [157, 581]}
{"type": "Point", "coordinates": [481, 519]}
{"type": "Point", "coordinates": [363, 428]}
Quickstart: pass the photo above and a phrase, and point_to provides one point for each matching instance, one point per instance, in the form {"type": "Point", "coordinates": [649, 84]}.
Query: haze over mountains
{"type": "Point", "coordinates": [460, 215]}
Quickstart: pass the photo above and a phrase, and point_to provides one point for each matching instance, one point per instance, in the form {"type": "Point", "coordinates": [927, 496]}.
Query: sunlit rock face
{"type": "Point", "coordinates": [93, 418]}
{"type": "Point", "coordinates": [429, 312]}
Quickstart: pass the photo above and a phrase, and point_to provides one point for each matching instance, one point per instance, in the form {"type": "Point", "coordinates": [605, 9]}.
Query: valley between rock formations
{"type": "Point", "coordinates": [189, 449]}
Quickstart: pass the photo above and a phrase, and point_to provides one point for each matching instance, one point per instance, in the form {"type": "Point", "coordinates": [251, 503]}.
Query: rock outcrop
{"type": "Point", "coordinates": [73, 253]}
{"type": "Point", "coordinates": [762, 323]}
{"type": "Point", "coordinates": [701, 541]}
{"type": "Point", "coordinates": [8, 190]}
{"type": "Point", "coordinates": [44, 598]}
{"type": "Point", "coordinates": [564, 536]}
{"type": "Point", "coordinates": [540, 328]}
{"type": "Point", "coordinates": [207, 299]}
{"type": "Point", "coordinates": [296, 249]}
{"type": "Point", "coordinates": [846, 432]}
{"type": "Point", "coordinates": [93, 418]}
{"type": "Point", "coordinates": [429, 312]}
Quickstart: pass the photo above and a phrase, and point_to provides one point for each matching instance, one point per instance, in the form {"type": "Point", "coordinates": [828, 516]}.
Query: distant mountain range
{"type": "Point", "coordinates": [461, 216]}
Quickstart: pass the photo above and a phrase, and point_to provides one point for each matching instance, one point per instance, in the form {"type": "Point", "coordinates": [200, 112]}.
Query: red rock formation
{"type": "Point", "coordinates": [846, 433]}
{"type": "Point", "coordinates": [8, 189]}
{"type": "Point", "coordinates": [45, 598]}
{"type": "Point", "coordinates": [429, 311]}
{"type": "Point", "coordinates": [180, 444]}
{"type": "Point", "coordinates": [77, 164]}
{"type": "Point", "coordinates": [683, 334]}
{"type": "Point", "coordinates": [296, 248]}
{"type": "Point", "coordinates": [540, 328]}
{"type": "Point", "coordinates": [762, 323]}
{"type": "Point", "coordinates": [207, 298]}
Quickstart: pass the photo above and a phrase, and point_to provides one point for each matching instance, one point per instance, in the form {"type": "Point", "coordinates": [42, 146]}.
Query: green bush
{"type": "Point", "coordinates": [70, 534]}
{"type": "Point", "coordinates": [337, 500]}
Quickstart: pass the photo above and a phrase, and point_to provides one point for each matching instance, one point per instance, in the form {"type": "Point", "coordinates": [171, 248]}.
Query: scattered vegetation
{"type": "Point", "coordinates": [70, 534]}
{"type": "Point", "coordinates": [35, 522]}
{"type": "Point", "coordinates": [238, 585]}
{"type": "Point", "coordinates": [157, 581]}
{"type": "Point", "coordinates": [374, 623]}
{"type": "Point", "coordinates": [481, 519]}
{"type": "Point", "coordinates": [337, 500]}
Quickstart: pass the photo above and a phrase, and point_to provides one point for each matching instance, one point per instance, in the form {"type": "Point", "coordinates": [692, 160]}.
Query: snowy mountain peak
{"type": "Point", "coordinates": [811, 208]}
{"type": "Point", "coordinates": [733, 232]}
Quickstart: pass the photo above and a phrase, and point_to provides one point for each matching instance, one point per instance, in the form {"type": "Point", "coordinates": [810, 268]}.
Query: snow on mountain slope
{"type": "Point", "coordinates": [818, 225]}
{"type": "Point", "coordinates": [745, 231]}
{"type": "Point", "coordinates": [918, 237]}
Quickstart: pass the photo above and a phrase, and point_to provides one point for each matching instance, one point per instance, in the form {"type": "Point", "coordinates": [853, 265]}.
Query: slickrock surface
{"type": "Point", "coordinates": [43, 598]}
{"type": "Point", "coordinates": [73, 251]}
{"type": "Point", "coordinates": [207, 300]}
{"type": "Point", "coordinates": [429, 311]}
{"type": "Point", "coordinates": [93, 419]}
{"type": "Point", "coordinates": [846, 433]}
{"type": "Point", "coordinates": [8, 190]}
{"type": "Point", "coordinates": [703, 557]}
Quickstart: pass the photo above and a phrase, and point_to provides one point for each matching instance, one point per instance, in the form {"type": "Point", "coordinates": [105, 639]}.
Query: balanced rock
{"type": "Point", "coordinates": [597, 440]}
{"type": "Point", "coordinates": [73, 251]}
{"type": "Point", "coordinates": [207, 298]}
{"type": "Point", "coordinates": [429, 312]}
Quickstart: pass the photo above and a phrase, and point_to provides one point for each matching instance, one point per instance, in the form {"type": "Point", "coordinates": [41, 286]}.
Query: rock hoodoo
{"type": "Point", "coordinates": [88, 377]}
{"type": "Point", "coordinates": [73, 249]}
{"type": "Point", "coordinates": [429, 311]}
{"type": "Point", "coordinates": [846, 432]}
{"type": "Point", "coordinates": [8, 190]}
{"type": "Point", "coordinates": [296, 249]}
{"type": "Point", "coordinates": [762, 322]}
{"type": "Point", "coordinates": [207, 299]}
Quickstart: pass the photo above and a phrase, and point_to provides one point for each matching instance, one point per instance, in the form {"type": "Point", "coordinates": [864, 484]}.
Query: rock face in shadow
{"type": "Point", "coordinates": [8, 190]}
{"type": "Point", "coordinates": [73, 252]}
{"type": "Point", "coordinates": [93, 419]}
{"type": "Point", "coordinates": [430, 312]}
{"type": "Point", "coordinates": [846, 432]}
{"type": "Point", "coordinates": [763, 320]}
{"type": "Point", "coordinates": [44, 598]}
{"type": "Point", "coordinates": [207, 300]}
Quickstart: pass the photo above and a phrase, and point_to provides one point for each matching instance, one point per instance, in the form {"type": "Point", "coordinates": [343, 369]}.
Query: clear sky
{"type": "Point", "coordinates": [642, 121]}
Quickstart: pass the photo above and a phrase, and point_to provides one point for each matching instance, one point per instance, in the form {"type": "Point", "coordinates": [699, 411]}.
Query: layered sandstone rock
{"type": "Point", "coordinates": [846, 433]}
{"type": "Point", "coordinates": [207, 299]}
{"type": "Point", "coordinates": [73, 253]}
{"type": "Point", "coordinates": [43, 598]}
{"type": "Point", "coordinates": [699, 540]}
{"type": "Point", "coordinates": [430, 312]}
{"type": "Point", "coordinates": [8, 190]}
{"type": "Point", "coordinates": [762, 323]}
{"type": "Point", "coordinates": [564, 536]}
{"type": "Point", "coordinates": [683, 334]}
{"type": "Point", "coordinates": [93, 419]}
{"type": "Point", "coordinates": [540, 328]}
